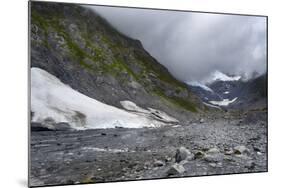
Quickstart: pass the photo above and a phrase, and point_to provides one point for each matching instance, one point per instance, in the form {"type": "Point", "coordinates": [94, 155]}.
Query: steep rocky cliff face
{"type": "Point", "coordinates": [85, 52]}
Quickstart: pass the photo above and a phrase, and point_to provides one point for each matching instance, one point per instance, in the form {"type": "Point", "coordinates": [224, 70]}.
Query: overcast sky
{"type": "Point", "coordinates": [193, 45]}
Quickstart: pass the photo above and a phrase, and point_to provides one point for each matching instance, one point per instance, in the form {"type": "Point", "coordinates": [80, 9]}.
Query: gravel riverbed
{"type": "Point", "coordinates": [221, 146]}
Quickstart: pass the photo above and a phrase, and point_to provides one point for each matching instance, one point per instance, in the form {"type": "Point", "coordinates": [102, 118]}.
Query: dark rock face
{"type": "Point", "coordinates": [39, 127]}
{"type": "Point", "coordinates": [82, 49]}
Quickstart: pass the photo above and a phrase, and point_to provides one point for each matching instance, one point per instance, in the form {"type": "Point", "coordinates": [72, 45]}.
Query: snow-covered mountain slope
{"type": "Point", "coordinates": [52, 100]}
{"type": "Point", "coordinates": [199, 84]}
{"type": "Point", "coordinates": [205, 88]}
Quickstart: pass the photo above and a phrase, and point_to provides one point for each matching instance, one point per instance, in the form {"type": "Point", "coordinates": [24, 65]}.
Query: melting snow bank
{"type": "Point", "coordinates": [53, 102]}
{"type": "Point", "coordinates": [224, 102]}
{"type": "Point", "coordinates": [152, 113]}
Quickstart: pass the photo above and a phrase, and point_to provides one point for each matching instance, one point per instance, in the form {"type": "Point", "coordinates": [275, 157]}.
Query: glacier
{"type": "Point", "coordinates": [53, 100]}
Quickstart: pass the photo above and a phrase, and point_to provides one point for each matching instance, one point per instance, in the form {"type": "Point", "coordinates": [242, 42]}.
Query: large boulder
{"type": "Point", "coordinates": [213, 155]}
{"type": "Point", "coordinates": [183, 154]}
{"type": "Point", "coordinates": [176, 169]}
{"type": "Point", "coordinates": [240, 150]}
{"type": "Point", "coordinates": [158, 163]}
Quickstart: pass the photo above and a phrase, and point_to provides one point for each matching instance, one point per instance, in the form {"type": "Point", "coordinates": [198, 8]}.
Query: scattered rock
{"type": "Point", "coordinates": [213, 155]}
{"type": "Point", "coordinates": [183, 154]}
{"type": "Point", "coordinates": [250, 165]}
{"type": "Point", "coordinates": [199, 155]}
{"type": "Point", "coordinates": [159, 163]}
{"type": "Point", "coordinates": [239, 150]}
{"type": "Point", "coordinates": [216, 165]}
{"type": "Point", "coordinates": [176, 169]}
{"type": "Point", "coordinates": [103, 134]}
{"type": "Point", "coordinates": [213, 151]}
{"type": "Point", "coordinates": [202, 120]}
{"type": "Point", "coordinates": [228, 151]}
{"type": "Point", "coordinates": [167, 158]}
{"type": "Point", "coordinates": [256, 149]}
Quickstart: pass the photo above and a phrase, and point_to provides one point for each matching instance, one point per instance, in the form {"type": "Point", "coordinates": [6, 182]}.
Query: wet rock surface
{"type": "Point", "coordinates": [214, 147]}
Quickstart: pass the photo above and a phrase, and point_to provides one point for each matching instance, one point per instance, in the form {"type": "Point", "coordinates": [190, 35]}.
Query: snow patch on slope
{"type": "Point", "coordinates": [212, 106]}
{"type": "Point", "coordinates": [199, 84]}
{"type": "Point", "coordinates": [224, 102]}
{"type": "Point", "coordinates": [52, 99]}
{"type": "Point", "coordinates": [129, 105]}
{"type": "Point", "coordinates": [151, 112]}
{"type": "Point", "coordinates": [162, 116]}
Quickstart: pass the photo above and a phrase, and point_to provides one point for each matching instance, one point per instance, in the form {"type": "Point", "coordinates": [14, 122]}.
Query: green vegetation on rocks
{"type": "Point", "coordinates": [92, 43]}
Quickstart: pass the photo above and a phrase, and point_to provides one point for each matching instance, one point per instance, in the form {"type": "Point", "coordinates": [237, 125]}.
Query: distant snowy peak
{"type": "Point", "coordinates": [219, 76]}
{"type": "Point", "coordinates": [213, 77]}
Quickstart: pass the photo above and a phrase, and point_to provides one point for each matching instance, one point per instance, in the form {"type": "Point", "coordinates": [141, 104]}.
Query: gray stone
{"type": "Point", "coordinates": [239, 150]}
{"type": "Point", "coordinates": [159, 163]}
{"type": "Point", "coordinates": [213, 155]}
{"type": "Point", "coordinates": [183, 154]}
{"type": "Point", "coordinates": [213, 151]}
{"type": "Point", "coordinates": [216, 165]}
{"type": "Point", "coordinates": [228, 151]}
{"type": "Point", "coordinates": [199, 155]}
{"type": "Point", "coordinates": [250, 165]}
{"type": "Point", "coordinates": [176, 169]}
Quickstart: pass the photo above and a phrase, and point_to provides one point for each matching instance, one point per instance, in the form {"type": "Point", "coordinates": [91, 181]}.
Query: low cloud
{"type": "Point", "coordinates": [194, 45]}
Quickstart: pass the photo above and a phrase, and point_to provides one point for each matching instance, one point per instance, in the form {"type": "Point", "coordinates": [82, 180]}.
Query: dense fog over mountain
{"type": "Point", "coordinates": [194, 45]}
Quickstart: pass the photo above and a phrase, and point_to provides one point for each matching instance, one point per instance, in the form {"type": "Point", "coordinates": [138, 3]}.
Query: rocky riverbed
{"type": "Point", "coordinates": [202, 147]}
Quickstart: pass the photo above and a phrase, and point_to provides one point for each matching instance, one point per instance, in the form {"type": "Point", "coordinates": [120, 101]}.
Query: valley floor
{"type": "Point", "coordinates": [104, 155]}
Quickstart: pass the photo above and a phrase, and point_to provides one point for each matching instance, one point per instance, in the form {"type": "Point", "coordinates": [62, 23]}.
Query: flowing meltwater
{"type": "Point", "coordinates": [53, 100]}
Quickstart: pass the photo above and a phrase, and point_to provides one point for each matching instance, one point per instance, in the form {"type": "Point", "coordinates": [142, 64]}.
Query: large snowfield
{"type": "Point", "coordinates": [53, 100]}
